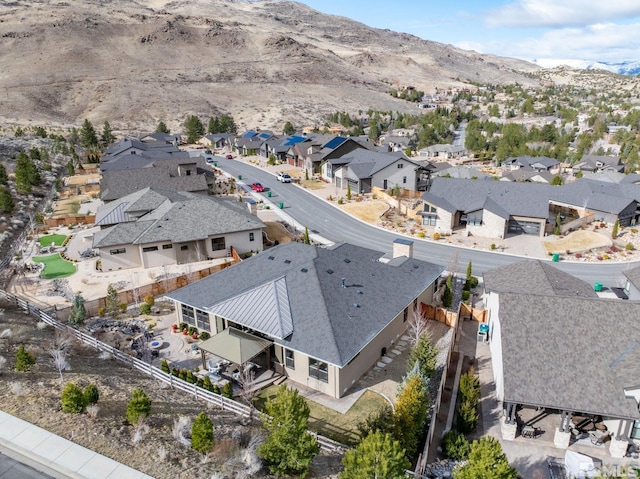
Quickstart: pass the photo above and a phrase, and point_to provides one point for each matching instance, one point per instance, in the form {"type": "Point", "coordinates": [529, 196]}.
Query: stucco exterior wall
{"type": "Point", "coordinates": [160, 257]}
{"type": "Point", "coordinates": [113, 262]}
{"type": "Point", "coordinates": [495, 343]}
{"type": "Point", "coordinates": [493, 226]}
{"type": "Point", "coordinates": [394, 176]}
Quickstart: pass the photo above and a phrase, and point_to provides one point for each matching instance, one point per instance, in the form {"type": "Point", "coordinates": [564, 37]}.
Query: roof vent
{"type": "Point", "coordinates": [343, 285]}
{"type": "Point", "coordinates": [358, 291]}
{"type": "Point", "coordinates": [347, 260]}
{"type": "Point", "coordinates": [304, 270]}
{"type": "Point", "coordinates": [272, 258]}
{"type": "Point", "coordinates": [356, 305]}
{"type": "Point", "coordinates": [330, 271]}
{"type": "Point", "coordinates": [287, 261]}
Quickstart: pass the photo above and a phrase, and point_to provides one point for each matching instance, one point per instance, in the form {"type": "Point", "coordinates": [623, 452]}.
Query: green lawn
{"type": "Point", "coordinates": [46, 240]}
{"type": "Point", "coordinates": [330, 423]}
{"type": "Point", "coordinates": [55, 266]}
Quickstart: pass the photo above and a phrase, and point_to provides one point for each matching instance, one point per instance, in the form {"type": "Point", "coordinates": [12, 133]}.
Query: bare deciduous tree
{"type": "Point", "coordinates": [247, 383]}
{"type": "Point", "coordinates": [418, 325]}
{"type": "Point", "coordinates": [60, 361]}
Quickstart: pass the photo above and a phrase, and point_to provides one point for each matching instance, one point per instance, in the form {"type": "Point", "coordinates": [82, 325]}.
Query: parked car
{"type": "Point", "coordinates": [257, 187]}
{"type": "Point", "coordinates": [283, 177]}
{"type": "Point", "coordinates": [229, 156]}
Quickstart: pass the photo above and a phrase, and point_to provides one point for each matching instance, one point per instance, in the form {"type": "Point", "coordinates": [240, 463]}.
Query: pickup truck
{"type": "Point", "coordinates": [283, 177]}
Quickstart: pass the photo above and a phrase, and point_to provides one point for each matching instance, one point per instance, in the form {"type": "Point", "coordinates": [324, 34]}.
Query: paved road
{"type": "Point", "coordinates": [16, 467]}
{"type": "Point", "coordinates": [332, 223]}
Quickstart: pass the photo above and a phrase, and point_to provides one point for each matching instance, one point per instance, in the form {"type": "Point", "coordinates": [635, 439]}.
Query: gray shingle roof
{"type": "Point", "coordinates": [536, 277]}
{"type": "Point", "coordinates": [365, 163]}
{"type": "Point", "coordinates": [572, 354]}
{"type": "Point", "coordinates": [330, 323]}
{"type": "Point", "coordinates": [633, 275]}
{"type": "Point", "coordinates": [190, 218]}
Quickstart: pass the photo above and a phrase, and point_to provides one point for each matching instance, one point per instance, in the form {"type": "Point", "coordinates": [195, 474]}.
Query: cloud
{"type": "Point", "coordinates": [599, 42]}
{"type": "Point", "coordinates": [554, 13]}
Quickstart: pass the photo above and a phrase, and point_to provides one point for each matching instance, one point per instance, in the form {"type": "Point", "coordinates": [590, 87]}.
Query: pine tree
{"type": "Point", "coordinates": [616, 227]}
{"type": "Point", "coordinates": [486, 461]}
{"type": "Point", "coordinates": [107, 134]}
{"type": "Point", "coordinates": [139, 406]}
{"type": "Point", "coordinates": [112, 303]}
{"type": "Point", "coordinates": [288, 128]}
{"type": "Point", "coordinates": [202, 433]}
{"type": "Point", "coordinates": [194, 129]}
{"type": "Point", "coordinates": [411, 414]}
{"type": "Point", "coordinates": [6, 201]}
{"type": "Point", "coordinates": [214, 125]}
{"type": "Point", "coordinates": [4, 177]}
{"type": "Point", "coordinates": [24, 360]}
{"type": "Point", "coordinates": [377, 455]}
{"type": "Point", "coordinates": [306, 236]}
{"type": "Point", "coordinates": [162, 128]}
{"type": "Point", "coordinates": [78, 311]}
{"type": "Point", "coordinates": [26, 173]}
{"type": "Point", "coordinates": [289, 447]}
{"type": "Point", "coordinates": [426, 355]}
{"type": "Point", "coordinates": [88, 136]}
{"type": "Point", "coordinates": [73, 399]}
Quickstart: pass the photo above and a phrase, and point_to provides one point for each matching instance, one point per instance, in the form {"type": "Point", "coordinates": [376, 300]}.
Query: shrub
{"type": "Point", "coordinates": [204, 335]}
{"type": "Point", "coordinates": [378, 420]}
{"type": "Point", "coordinates": [436, 236]}
{"type": "Point", "coordinates": [164, 365]}
{"type": "Point", "coordinates": [227, 390]}
{"type": "Point", "coordinates": [182, 374]}
{"type": "Point", "coordinates": [199, 382]}
{"type": "Point", "coordinates": [465, 295]}
{"type": "Point", "coordinates": [605, 256]}
{"type": "Point", "coordinates": [421, 234]}
{"type": "Point", "coordinates": [207, 384]}
{"type": "Point", "coordinates": [182, 326]}
{"type": "Point", "coordinates": [73, 399]}
{"type": "Point", "coordinates": [455, 445]}
{"type": "Point", "coordinates": [340, 201]}
{"type": "Point", "coordinates": [216, 389]}
{"type": "Point", "coordinates": [190, 378]}
{"type": "Point", "coordinates": [634, 230]}
{"type": "Point", "coordinates": [145, 308]}
{"type": "Point", "coordinates": [467, 416]}
{"type": "Point", "coordinates": [629, 247]}
{"type": "Point", "coordinates": [24, 359]}
{"type": "Point", "coordinates": [91, 394]}
{"type": "Point", "coordinates": [493, 246]}
{"type": "Point", "coordinates": [102, 311]}
{"type": "Point", "coordinates": [202, 433]}
{"type": "Point", "coordinates": [139, 406]}
{"type": "Point", "coordinates": [578, 255]}
{"type": "Point", "coordinates": [175, 372]}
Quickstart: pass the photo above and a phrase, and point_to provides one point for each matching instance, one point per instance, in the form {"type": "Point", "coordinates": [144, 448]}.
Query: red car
{"type": "Point", "coordinates": [257, 187]}
{"type": "Point", "coordinates": [229, 157]}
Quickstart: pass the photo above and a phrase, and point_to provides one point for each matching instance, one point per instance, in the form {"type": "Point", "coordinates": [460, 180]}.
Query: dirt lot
{"type": "Point", "coordinates": [578, 241]}
{"type": "Point", "coordinates": [369, 211]}
{"type": "Point", "coordinates": [34, 396]}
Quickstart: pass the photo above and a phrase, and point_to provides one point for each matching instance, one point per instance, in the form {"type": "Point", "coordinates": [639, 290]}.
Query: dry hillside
{"type": "Point", "coordinates": [265, 62]}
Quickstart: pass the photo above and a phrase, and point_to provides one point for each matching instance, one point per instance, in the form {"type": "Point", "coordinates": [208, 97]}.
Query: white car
{"type": "Point", "coordinates": [283, 177]}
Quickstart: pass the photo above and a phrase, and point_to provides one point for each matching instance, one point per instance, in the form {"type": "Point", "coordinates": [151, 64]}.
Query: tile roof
{"type": "Point", "coordinates": [569, 353]}
{"type": "Point", "coordinates": [330, 322]}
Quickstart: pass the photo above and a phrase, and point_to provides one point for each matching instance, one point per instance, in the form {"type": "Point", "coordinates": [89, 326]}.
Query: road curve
{"type": "Point", "coordinates": [332, 223]}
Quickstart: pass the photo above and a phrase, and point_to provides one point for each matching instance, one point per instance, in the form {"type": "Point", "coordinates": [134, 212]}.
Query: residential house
{"type": "Point", "coordinates": [322, 316]}
{"type": "Point", "coordinates": [495, 208]}
{"type": "Point", "coordinates": [632, 284]}
{"type": "Point", "coordinates": [397, 143]}
{"type": "Point", "coordinates": [458, 171]}
{"type": "Point", "coordinates": [150, 228]}
{"type": "Point", "coordinates": [528, 175]}
{"type": "Point", "coordinates": [280, 147]}
{"type": "Point", "coordinates": [558, 350]}
{"type": "Point", "coordinates": [217, 141]}
{"type": "Point", "coordinates": [595, 163]}
{"type": "Point", "coordinates": [336, 147]}
{"type": "Point", "coordinates": [135, 146]}
{"type": "Point", "coordinates": [442, 152]}
{"type": "Point", "coordinates": [536, 163]}
{"type": "Point", "coordinates": [166, 138]}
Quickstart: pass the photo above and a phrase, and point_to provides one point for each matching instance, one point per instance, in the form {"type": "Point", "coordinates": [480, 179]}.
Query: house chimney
{"type": "Point", "coordinates": [253, 207]}
{"type": "Point", "coordinates": [402, 247]}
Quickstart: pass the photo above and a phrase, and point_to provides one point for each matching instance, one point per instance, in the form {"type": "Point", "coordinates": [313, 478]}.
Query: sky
{"type": "Point", "coordinates": [574, 32]}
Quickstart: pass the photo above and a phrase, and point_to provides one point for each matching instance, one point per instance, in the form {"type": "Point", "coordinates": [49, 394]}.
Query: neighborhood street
{"type": "Point", "coordinates": [333, 224]}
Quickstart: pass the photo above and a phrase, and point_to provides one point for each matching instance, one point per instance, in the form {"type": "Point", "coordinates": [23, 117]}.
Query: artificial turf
{"type": "Point", "coordinates": [55, 266]}
{"type": "Point", "coordinates": [47, 240]}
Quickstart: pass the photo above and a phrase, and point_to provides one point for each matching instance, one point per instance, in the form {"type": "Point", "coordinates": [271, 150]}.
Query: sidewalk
{"type": "Point", "coordinates": [59, 455]}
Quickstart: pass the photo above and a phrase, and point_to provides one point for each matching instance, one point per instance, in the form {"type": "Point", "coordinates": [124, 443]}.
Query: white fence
{"type": "Point", "coordinates": [226, 404]}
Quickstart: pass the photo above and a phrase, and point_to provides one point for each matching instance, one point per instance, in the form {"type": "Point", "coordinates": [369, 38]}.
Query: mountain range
{"type": "Point", "coordinates": [136, 62]}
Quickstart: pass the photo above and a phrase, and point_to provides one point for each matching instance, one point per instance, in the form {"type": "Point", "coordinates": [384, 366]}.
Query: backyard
{"type": "Point", "coordinates": [54, 239]}
{"type": "Point", "coordinates": [332, 424]}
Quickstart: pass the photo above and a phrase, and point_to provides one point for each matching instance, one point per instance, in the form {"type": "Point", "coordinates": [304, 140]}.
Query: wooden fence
{"type": "Point", "coordinates": [441, 315]}
{"type": "Point", "coordinates": [69, 220]}
{"type": "Point", "coordinates": [226, 404]}
{"type": "Point", "coordinates": [475, 314]}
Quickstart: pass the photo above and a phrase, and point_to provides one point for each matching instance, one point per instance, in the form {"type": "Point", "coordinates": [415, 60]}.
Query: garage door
{"type": "Point", "coordinates": [519, 227]}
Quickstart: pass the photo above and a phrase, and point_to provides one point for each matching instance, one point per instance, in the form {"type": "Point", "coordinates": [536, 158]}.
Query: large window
{"type": "Point", "coordinates": [187, 315]}
{"type": "Point", "coordinates": [289, 361]}
{"type": "Point", "coordinates": [202, 320]}
{"type": "Point", "coordinates": [217, 244]}
{"type": "Point", "coordinates": [251, 236]}
{"type": "Point", "coordinates": [148, 249]}
{"type": "Point", "coordinates": [118, 251]}
{"type": "Point", "coordinates": [474, 218]}
{"type": "Point", "coordinates": [319, 370]}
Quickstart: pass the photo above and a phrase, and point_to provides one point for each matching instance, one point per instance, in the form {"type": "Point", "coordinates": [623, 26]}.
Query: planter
{"type": "Point", "coordinates": [185, 332]}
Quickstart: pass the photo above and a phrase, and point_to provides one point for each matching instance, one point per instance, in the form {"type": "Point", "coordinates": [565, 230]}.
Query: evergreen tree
{"type": "Point", "coordinates": [6, 201]}
{"type": "Point", "coordinates": [88, 136]}
{"type": "Point", "coordinates": [139, 406]}
{"type": "Point", "coordinates": [24, 360]}
{"type": "Point", "coordinates": [306, 236]}
{"type": "Point", "coordinates": [426, 355]}
{"type": "Point", "coordinates": [377, 455]}
{"type": "Point", "coordinates": [73, 399]}
{"type": "Point", "coordinates": [228, 125]}
{"type": "Point", "coordinates": [411, 414]}
{"type": "Point", "coordinates": [289, 447]}
{"type": "Point", "coordinates": [202, 433]}
{"type": "Point", "coordinates": [214, 125]}
{"type": "Point", "coordinates": [112, 303]}
{"type": "Point", "coordinates": [91, 394]}
{"type": "Point", "coordinates": [78, 311]}
{"type": "Point", "coordinates": [162, 128]}
{"type": "Point", "coordinates": [107, 134]}
{"type": "Point", "coordinates": [288, 128]}
{"type": "Point", "coordinates": [614, 232]}
{"type": "Point", "coordinates": [4, 177]}
{"type": "Point", "coordinates": [26, 173]}
{"type": "Point", "coordinates": [193, 128]}
{"type": "Point", "coordinates": [486, 461]}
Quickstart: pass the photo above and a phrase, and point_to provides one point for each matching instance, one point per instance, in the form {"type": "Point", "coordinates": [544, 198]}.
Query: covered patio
{"type": "Point", "coordinates": [236, 351]}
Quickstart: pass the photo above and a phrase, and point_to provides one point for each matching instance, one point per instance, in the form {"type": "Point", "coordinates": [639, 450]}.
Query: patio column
{"type": "Point", "coordinates": [618, 447]}
{"type": "Point", "coordinates": [508, 423]}
{"type": "Point", "coordinates": [563, 433]}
